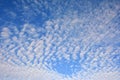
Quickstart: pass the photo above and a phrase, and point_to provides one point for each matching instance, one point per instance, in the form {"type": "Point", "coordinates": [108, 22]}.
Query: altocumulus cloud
{"type": "Point", "coordinates": [67, 43]}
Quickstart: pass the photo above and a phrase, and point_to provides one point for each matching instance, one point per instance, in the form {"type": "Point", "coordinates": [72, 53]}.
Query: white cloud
{"type": "Point", "coordinates": [26, 73]}
{"type": "Point", "coordinates": [5, 32]}
{"type": "Point", "coordinates": [106, 76]}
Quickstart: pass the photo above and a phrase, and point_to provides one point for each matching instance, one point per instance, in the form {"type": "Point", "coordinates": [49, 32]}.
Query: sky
{"type": "Point", "coordinates": [59, 39]}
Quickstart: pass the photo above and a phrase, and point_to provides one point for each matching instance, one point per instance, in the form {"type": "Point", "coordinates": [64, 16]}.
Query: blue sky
{"type": "Point", "coordinates": [59, 40]}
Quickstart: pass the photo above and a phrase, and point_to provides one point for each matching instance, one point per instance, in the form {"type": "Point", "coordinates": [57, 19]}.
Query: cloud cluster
{"type": "Point", "coordinates": [69, 48]}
